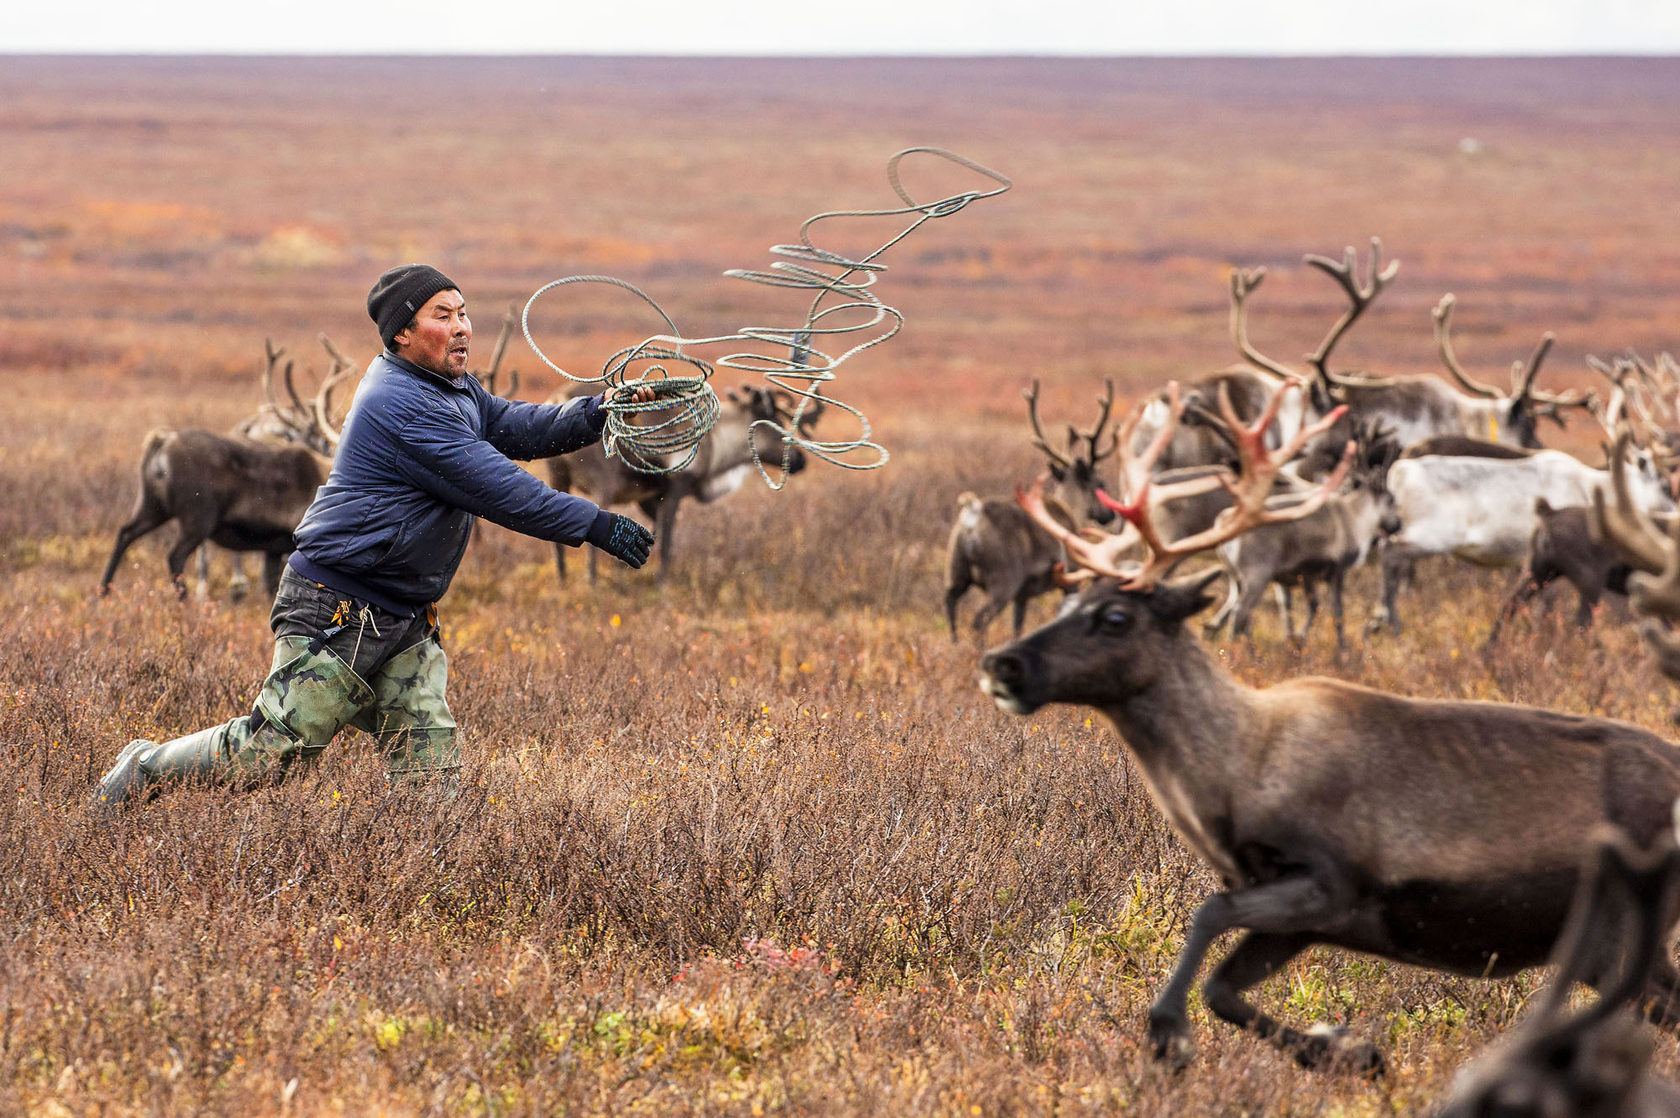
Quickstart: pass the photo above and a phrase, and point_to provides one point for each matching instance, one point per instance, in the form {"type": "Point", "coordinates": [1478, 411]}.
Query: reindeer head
{"type": "Point", "coordinates": [1114, 638]}
{"type": "Point", "coordinates": [1520, 411]}
{"type": "Point", "coordinates": [1073, 475]}
{"type": "Point", "coordinates": [1107, 643]}
{"type": "Point", "coordinates": [752, 421]}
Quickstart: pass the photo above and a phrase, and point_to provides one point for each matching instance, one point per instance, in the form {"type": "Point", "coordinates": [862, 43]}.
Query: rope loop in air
{"type": "Point", "coordinates": [664, 435]}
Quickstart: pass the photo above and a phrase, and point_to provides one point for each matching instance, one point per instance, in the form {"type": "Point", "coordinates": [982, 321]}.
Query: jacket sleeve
{"type": "Point", "coordinates": [525, 431]}
{"type": "Point", "coordinates": [439, 454]}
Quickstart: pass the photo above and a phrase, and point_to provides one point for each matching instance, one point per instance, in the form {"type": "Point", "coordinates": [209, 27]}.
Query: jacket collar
{"type": "Point", "coordinates": [458, 383]}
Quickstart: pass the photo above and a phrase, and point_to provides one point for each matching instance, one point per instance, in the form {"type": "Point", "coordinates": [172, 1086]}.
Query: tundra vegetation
{"type": "Point", "coordinates": [750, 841]}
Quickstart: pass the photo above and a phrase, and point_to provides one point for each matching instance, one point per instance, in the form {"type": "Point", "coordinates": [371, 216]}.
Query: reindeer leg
{"type": "Point", "coordinates": [239, 584]}
{"type": "Point", "coordinates": [273, 563]}
{"type": "Point", "coordinates": [1289, 908]}
{"type": "Point", "coordinates": [1022, 597]}
{"type": "Point", "coordinates": [1396, 568]}
{"type": "Point", "coordinates": [190, 540]}
{"type": "Point", "coordinates": [1523, 591]}
{"type": "Point", "coordinates": [202, 563]}
{"type": "Point", "coordinates": [148, 518]}
{"type": "Point", "coordinates": [958, 578]}
{"type": "Point", "coordinates": [1588, 604]}
{"type": "Point", "coordinates": [1249, 598]}
{"type": "Point", "coordinates": [560, 562]}
{"type": "Point", "coordinates": [1284, 595]}
{"type": "Point", "coordinates": [1309, 591]}
{"type": "Point", "coordinates": [663, 512]}
{"type": "Point", "coordinates": [983, 616]}
{"type": "Point", "coordinates": [1338, 578]}
{"type": "Point", "coordinates": [1256, 957]}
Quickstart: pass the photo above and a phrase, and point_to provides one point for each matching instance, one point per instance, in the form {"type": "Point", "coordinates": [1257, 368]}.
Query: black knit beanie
{"type": "Point", "coordinates": [398, 295]}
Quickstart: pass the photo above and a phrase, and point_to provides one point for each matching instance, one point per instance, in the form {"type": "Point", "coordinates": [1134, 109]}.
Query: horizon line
{"type": "Point", "coordinates": [837, 56]}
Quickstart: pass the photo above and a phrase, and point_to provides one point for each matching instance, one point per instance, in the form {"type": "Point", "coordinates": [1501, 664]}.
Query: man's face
{"type": "Point", "coordinates": [437, 338]}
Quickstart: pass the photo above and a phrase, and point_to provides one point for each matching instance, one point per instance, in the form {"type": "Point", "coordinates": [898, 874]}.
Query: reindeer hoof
{"type": "Point", "coordinates": [1169, 1045]}
{"type": "Point", "coordinates": [1331, 1048]}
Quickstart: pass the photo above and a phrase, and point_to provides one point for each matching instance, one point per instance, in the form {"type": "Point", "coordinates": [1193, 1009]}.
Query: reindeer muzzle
{"type": "Point", "coordinates": [1007, 675]}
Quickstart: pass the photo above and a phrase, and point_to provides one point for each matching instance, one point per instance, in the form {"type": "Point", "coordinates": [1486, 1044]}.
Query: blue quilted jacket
{"type": "Point", "coordinates": [420, 457]}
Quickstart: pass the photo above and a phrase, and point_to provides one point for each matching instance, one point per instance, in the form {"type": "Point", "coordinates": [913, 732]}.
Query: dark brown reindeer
{"type": "Point", "coordinates": [1566, 546]}
{"type": "Point", "coordinates": [1590, 1062]}
{"type": "Point", "coordinates": [1444, 834]}
{"type": "Point", "coordinates": [995, 546]}
{"type": "Point", "coordinates": [239, 493]}
{"type": "Point", "coordinates": [294, 423]}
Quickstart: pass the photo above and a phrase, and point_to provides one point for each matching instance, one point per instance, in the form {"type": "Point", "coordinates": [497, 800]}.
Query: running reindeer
{"type": "Point", "coordinates": [1444, 834]}
{"type": "Point", "coordinates": [1590, 1062]}
{"type": "Point", "coordinates": [996, 547]}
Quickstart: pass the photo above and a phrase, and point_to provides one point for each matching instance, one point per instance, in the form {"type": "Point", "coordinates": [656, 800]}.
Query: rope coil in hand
{"type": "Point", "coordinates": [663, 435]}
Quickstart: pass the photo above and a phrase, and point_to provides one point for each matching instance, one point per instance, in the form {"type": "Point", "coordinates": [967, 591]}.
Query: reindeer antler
{"type": "Point", "coordinates": [1249, 489]}
{"type": "Point", "coordinates": [1523, 373]}
{"type": "Point", "coordinates": [1360, 296]}
{"type": "Point", "coordinates": [1443, 340]}
{"type": "Point", "coordinates": [1654, 593]}
{"type": "Point", "coordinates": [1361, 293]}
{"type": "Point", "coordinates": [489, 378]}
{"type": "Point", "coordinates": [1039, 439]}
{"type": "Point", "coordinates": [320, 409]}
{"type": "Point", "coordinates": [1244, 281]}
{"type": "Point", "coordinates": [1105, 404]}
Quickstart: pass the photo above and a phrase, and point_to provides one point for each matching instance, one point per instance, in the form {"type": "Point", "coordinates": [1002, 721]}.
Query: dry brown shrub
{"type": "Point", "coordinates": [751, 842]}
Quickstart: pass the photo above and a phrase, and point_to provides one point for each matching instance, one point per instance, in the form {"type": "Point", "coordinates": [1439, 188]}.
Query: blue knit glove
{"type": "Point", "coordinates": [621, 537]}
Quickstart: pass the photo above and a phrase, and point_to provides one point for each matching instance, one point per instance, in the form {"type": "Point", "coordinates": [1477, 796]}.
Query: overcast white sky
{"type": "Point", "coordinates": [870, 27]}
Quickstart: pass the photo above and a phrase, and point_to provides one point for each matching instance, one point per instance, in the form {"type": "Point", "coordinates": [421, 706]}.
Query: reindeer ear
{"type": "Point", "coordinates": [1183, 598]}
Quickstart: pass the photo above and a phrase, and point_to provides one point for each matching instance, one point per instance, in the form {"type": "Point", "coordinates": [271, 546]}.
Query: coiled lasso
{"type": "Point", "coordinates": [664, 434]}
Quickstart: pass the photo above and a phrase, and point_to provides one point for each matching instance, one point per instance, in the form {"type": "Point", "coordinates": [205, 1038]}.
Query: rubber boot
{"type": "Point", "coordinates": [143, 765]}
{"type": "Point", "coordinates": [308, 696]}
{"type": "Point", "coordinates": [410, 720]}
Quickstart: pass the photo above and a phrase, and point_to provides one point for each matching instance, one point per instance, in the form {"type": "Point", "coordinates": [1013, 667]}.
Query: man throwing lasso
{"type": "Point", "coordinates": [424, 450]}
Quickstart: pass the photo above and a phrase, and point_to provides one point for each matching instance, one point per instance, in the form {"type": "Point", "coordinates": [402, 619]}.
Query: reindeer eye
{"type": "Point", "coordinates": [1114, 619]}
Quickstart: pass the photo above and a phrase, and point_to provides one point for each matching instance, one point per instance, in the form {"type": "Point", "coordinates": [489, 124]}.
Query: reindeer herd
{"type": "Point", "coordinates": [1436, 471]}
{"type": "Point", "coordinates": [1474, 838]}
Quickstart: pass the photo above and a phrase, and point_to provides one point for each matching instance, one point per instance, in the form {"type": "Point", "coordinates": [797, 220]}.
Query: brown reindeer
{"type": "Point", "coordinates": [237, 494]}
{"type": "Point", "coordinates": [1589, 1062]}
{"type": "Point", "coordinates": [241, 493]}
{"type": "Point", "coordinates": [1443, 834]}
{"type": "Point", "coordinates": [995, 546]}
{"type": "Point", "coordinates": [295, 423]}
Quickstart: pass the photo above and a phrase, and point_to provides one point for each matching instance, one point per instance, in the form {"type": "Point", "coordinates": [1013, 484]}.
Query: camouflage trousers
{"type": "Point", "coordinates": [337, 662]}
